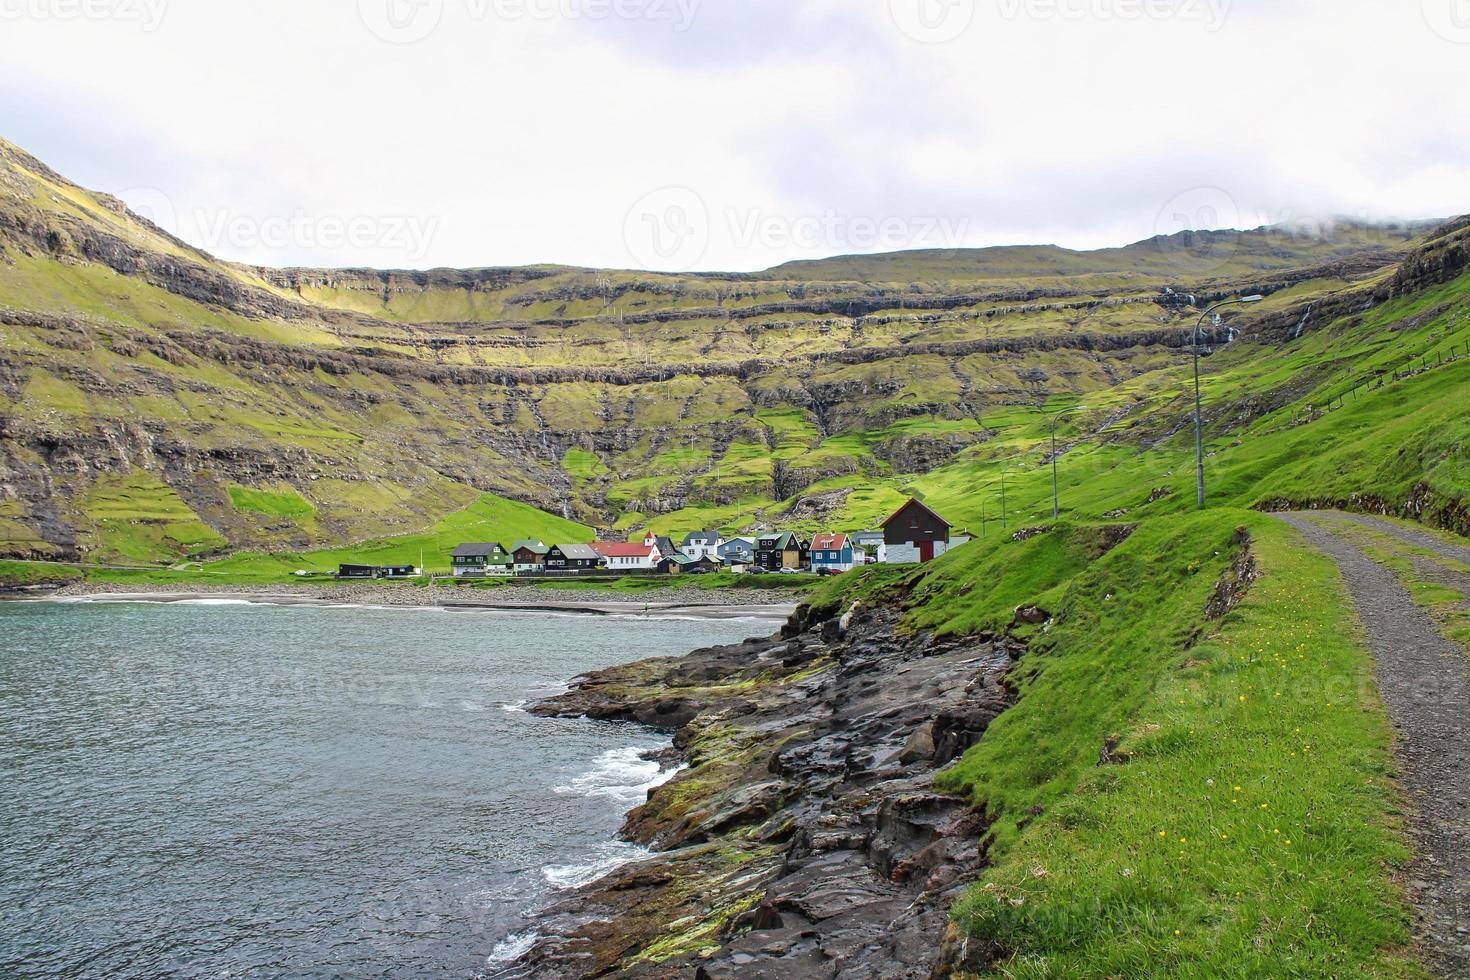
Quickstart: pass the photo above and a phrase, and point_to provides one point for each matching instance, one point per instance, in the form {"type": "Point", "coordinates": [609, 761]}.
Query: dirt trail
{"type": "Point", "coordinates": [1424, 680]}
{"type": "Point", "coordinates": [1408, 535]}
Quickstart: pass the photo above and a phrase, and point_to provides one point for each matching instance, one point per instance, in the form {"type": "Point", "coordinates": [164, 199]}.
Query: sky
{"type": "Point", "coordinates": [735, 134]}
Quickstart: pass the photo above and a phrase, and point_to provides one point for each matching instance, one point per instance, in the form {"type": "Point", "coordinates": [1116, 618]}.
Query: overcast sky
{"type": "Point", "coordinates": [735, 134]}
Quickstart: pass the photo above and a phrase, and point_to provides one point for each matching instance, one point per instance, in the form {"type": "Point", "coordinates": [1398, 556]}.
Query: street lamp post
{"type": "Point", "coordinates": [1199, 424]}
{"type": "Point", "coordinates": [1003, 525]}
{"type": "Point", "coordinates": [1056, 506]}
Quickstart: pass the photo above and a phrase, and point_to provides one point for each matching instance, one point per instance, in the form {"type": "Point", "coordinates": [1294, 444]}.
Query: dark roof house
{"type": "Point", "coordinates": [478, 550]}
{"type": "Point", "coordinates": [915, 534]}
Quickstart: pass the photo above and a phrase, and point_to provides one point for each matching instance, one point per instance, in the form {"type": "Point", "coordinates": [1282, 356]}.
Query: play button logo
{"type": "Point", "coordinates": [401, 21]}
{"type": "Point", "coordinates": [1450, 19]}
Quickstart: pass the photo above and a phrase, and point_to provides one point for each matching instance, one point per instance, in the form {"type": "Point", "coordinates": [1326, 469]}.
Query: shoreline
{"type": "Point", "coordinates": [803, 828]}
{"type": "Point", "coordinates": [695, 604]}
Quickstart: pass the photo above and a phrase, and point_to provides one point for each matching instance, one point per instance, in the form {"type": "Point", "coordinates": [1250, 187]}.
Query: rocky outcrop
{"type": "Point", "coordinates": [805, 838]}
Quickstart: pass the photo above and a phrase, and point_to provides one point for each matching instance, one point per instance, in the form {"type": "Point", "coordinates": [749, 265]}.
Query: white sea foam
{"type": "Point", "coordinates": [513, 947]}
{"type": "Point", "coordinates": [567, 877]}
{"type": "Point", "coordinates": [622, 775]}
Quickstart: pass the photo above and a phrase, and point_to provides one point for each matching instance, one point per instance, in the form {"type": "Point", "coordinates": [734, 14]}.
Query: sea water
{"type": "Point", "coordinates": [257, 790]}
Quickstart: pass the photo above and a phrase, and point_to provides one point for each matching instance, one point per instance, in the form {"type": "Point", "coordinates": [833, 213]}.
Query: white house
{"type": "Point", "coordinates": [703, 544]}
{"type": "Point", "coordinates": [871, 542]}
{"type": "Point", "coordinates": [625, 556]}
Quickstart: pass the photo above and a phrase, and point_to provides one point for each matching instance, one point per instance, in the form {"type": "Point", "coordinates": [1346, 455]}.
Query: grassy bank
{"type": "Point", "coordinates": [1249, 825]}
{"type": "Point", "coordinates": [17, 574]}
{"type": "Point", "coordinates": [1253, 829]}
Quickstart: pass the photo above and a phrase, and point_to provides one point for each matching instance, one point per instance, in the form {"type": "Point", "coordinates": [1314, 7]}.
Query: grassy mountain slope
{"type": "Point", "coordinates": [302, 410]}
{"type": "Point", "coordinates": [1245, 822]}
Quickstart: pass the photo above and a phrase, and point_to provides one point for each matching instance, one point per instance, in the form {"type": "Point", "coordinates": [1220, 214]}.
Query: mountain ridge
{"type": "Point", "coordinates": [136, 369]}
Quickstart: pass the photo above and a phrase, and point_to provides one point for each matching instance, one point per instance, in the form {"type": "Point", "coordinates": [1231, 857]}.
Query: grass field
{"type": "Point", "coordinates": [1253, 830]}
{"type": "Point", "coordinates": [22, 573]}
{"type": "Point", "coordinates": [1250, 827]}
{"type": "Point", "coordinates": [491, 518]}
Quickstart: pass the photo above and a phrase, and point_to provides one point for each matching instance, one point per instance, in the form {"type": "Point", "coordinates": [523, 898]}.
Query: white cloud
{"type": "Point", "coordinates": [527, 130]}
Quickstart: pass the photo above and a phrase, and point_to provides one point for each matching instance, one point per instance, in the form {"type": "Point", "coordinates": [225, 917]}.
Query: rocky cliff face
{"type": "Point", "coordinates": [385, 399]}
{"type": "Point", "coordinates": [805, 837]}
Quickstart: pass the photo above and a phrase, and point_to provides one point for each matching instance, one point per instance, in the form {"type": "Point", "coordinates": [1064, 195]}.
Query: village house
{"type": "Point", "coordinates": [529, 556]}
{"type": "Point", "coordinates": [703, 544]}
{"type": "Point", "coordinates": [573, 558]}
{"type": "Point", "coordinates": [481, 561]}
{"type": "Point", "coordinates": [627, 556]}
{"type": "Point", "coordinates": [833, 553]}
{"type": "Point", "coordinates": [377, 571]}
{"type": "Point", "coordinates": [675, 564]}
{"type": "Point", "coordinates": [872, 544]}
{"type": "Point", "coordinates": [782, 550]}
{"type": "Point", "coordinates": [915, 534]}
{"type": "Point", "coordinates": [737, 551]}
{"type": "Point", "coordinates": [681, 564]}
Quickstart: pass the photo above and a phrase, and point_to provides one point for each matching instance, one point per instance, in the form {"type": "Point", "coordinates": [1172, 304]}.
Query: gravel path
{"type": "Point", "coordinates": [1435, 570]}
{"type": "Point", "coordinates": [1409, 535]}
{"type": "Point", "coordinates": [1424, 680]}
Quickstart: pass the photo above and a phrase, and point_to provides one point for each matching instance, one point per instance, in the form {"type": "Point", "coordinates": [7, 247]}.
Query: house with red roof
{"type": "Point", "coordinates": [629, 556]}
{"type": "Point", "coordinates": [833, 554]}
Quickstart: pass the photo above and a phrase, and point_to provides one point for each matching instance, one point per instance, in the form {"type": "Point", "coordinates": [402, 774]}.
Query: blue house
{"type": "Point", "coordinates": [740, 550]}
{"type": "Point", "coordinates": [833, 553]}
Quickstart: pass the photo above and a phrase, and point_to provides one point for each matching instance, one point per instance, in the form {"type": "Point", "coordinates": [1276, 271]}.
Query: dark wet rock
{"type": "Point", "coordinates": [1034, 615]}
{"type": "Point", "coordinates": [806, 837]}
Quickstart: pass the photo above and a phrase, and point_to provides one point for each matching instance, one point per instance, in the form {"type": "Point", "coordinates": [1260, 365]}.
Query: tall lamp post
{"type": "Point", "coordinates": [1003, 525]}
{"type": "Point", "coordinates": [1056, 505]}
{"type": "Point", "coordinates": [1199, 424]}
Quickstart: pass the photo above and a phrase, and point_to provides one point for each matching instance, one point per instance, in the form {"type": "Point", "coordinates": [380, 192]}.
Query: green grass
{"type": "Point", "coordinates": [137, 518]}
{"type": "Point", "coordinates": [22, 573]}
{"type": "Point", "coordinates": [1121, 619]}
{"type": "Point", "coordinates": [490, 518]}
{"type": "Point", "coordinates": [271, 503]}
{"type": "Point", "coordinates": [1254, 829]}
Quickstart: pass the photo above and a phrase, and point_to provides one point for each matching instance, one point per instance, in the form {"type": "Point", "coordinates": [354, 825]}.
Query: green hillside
{"type": "Point", "coordinates": [160, 405]}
